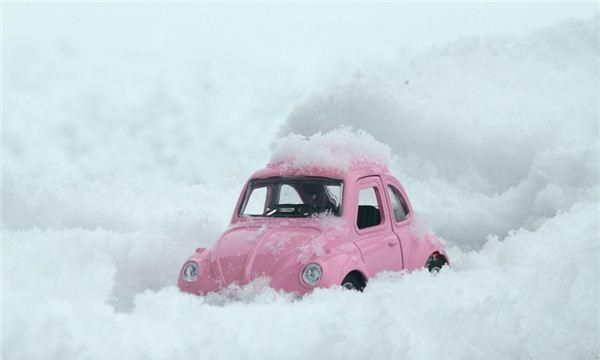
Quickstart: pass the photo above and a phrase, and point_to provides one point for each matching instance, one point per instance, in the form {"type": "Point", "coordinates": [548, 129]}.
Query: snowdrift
{"type": "Point", "coordinates": [496, 140]}
{"type": "Point", "coordinates": [508, 300]}
{"type": "Point", "coordinates": [503, 130]}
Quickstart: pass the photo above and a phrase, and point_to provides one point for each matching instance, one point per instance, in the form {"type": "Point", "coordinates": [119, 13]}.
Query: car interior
{"type": "Point", "coordinates": [368, 216]}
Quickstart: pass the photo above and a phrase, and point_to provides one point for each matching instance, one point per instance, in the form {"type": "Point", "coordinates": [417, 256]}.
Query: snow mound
{"type": "Point", "coordinates": [513, 299]}
{"type": "Point", "coordinates": [114, 177]}
{"type": "Point", "coordinates": [501, 129]}
{"type": "Point", "coordinates": [337, 150]}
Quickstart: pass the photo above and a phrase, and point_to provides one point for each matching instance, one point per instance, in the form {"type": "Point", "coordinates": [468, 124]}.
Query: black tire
{"type": "Point", "coordinates": [435, 262]}
{"type": "Point", "coordinates": [354, 281]}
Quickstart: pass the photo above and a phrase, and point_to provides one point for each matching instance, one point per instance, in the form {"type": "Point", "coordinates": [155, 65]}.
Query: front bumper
{"type": "Point", "coordinates": [209, 280]}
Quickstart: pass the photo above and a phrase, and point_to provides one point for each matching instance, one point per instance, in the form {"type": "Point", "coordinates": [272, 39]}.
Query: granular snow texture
{"type": "Point", "coordinates": [117, 164]}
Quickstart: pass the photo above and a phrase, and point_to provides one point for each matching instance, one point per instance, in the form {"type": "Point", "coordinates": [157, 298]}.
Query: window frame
{"type": "Point", "coordinates": [251, 185]}
{"type": "Point", "coordinates": [362, 184]}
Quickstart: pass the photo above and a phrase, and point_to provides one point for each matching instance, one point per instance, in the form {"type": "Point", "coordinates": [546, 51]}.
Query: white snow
{"type": "Point", "coordinates": [116, 165]}
{"type": "Point", "coordinates": [337, 150]}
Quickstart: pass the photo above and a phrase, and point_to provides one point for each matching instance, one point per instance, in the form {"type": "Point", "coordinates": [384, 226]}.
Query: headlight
{"type": "Point", "coordinates": [311, 274]}
{"type": "Point", "coordinates": [190, 272]}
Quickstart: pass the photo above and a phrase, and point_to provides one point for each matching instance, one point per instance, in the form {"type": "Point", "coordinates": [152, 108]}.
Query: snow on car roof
{"type": "Point", "coordinates": [335, 152]}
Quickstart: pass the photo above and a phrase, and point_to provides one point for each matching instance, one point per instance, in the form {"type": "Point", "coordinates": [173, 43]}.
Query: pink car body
{"type": "Point", "coordinates": [281, 248]}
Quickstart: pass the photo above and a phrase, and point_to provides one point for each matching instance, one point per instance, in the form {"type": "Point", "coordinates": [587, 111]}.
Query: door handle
{"type": "Point", "coordinates": [393, 242]}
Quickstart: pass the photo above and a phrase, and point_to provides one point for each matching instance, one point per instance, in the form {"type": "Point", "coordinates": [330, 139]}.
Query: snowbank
{"type": "Point", "coordinates": [519, 297]}
{"type": "Point", "coordinates": [337, 150]}
{"type": "Point", "coordinates": [113, 178]}
{"type": "Point", "coordinates": [503, 130]}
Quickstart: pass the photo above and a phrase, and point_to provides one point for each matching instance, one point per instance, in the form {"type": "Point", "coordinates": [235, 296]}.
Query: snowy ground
{"type": "Point", "coordinates": [117, 164]}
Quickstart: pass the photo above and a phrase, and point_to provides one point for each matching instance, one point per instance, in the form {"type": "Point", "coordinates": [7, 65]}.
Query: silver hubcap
{"type": "Point", "coordinates": [435, 269]}
{"type": "Point", "coordinates": [348, 285]}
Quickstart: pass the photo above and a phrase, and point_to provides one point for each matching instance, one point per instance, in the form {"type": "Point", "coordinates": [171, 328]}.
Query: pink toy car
{"type": "Point", "coordinates": [314, 227]}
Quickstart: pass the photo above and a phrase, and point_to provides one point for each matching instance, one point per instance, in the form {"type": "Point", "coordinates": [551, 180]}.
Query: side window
{"type": "Point", "coordinates": [256, 203]}
{"type": "Point", "coordinates": [289, 195]}
{"type": "Point", "coordinates": [398, 203]}
{"type": "Point", "coordinates": [369, 213]}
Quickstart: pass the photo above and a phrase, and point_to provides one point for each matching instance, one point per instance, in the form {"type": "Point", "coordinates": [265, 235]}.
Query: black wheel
{"type": "Point", "coordinates": [354, 281]}
{"type": "Point", "coordinates": [435, 262]}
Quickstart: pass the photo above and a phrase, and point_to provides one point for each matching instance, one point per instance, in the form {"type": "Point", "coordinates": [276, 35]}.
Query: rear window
{"type": "Point", "coordinates": [398, 203]}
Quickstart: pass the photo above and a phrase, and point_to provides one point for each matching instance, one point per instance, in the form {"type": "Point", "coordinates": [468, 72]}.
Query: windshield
{"type": "Point", "coordinates": [292, 197]}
